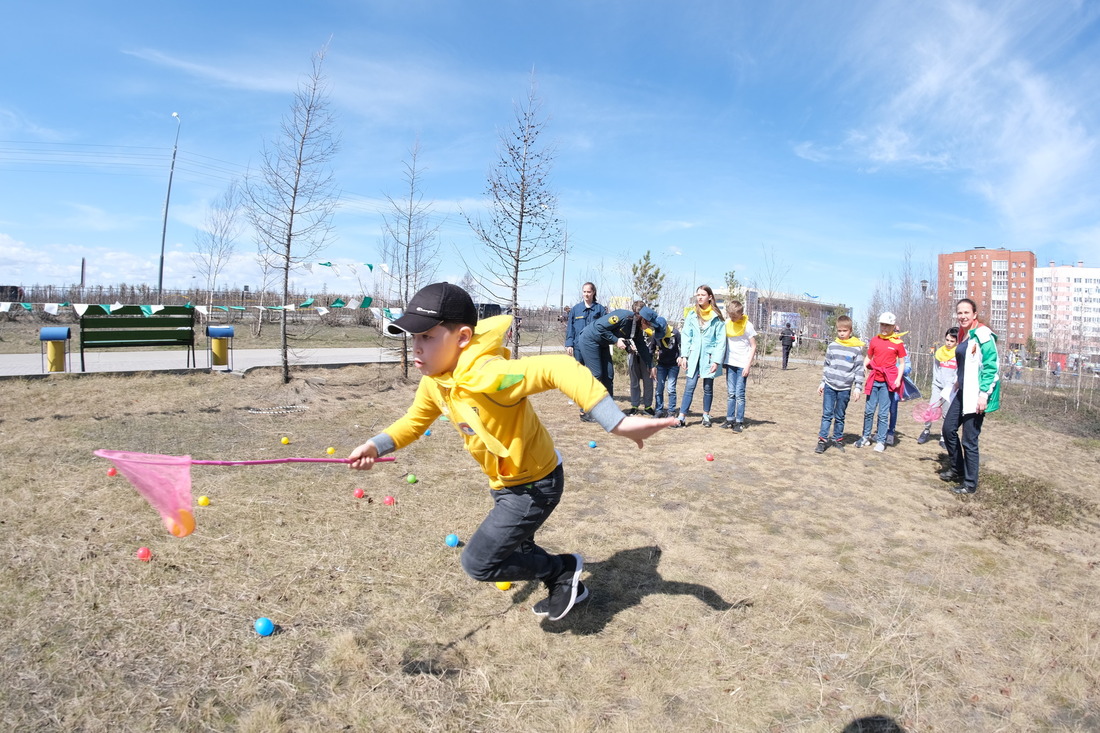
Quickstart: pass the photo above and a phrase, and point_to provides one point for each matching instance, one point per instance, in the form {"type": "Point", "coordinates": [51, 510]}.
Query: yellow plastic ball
{"type": "Point", "coordinates": [204, 501]}
{"type": "Point", "coordinates": [503, 584]}
{"type": "Point", "coordinates": [285, 440]}
{"type": "Point", "coordinates": [330, 450]}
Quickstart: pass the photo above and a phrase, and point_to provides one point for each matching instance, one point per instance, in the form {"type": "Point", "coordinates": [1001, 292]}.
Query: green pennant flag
{"type": "Point", "coordinates": [306, 304]}
{"type": "Point", "coordinates": [146, 310]}
{"type": "Point", "coordinates": [237, 307]}
{"type": "Point", "coordinates": [370, 266]}
{"type": "Point", "coordinates": [26, 306]}
{"type": "Point", "coordinates": [275, 307]}
{"type": "Point", "coordinates": [386, 312]}
{"type": "Point", "coordinates": [366, 302]}
{"type": "Point", "coordinates": [339, 303]}
{"type": "Point", "coordinates": [224, 308]}
{"type": "Point", "coordinates": [66, 304]}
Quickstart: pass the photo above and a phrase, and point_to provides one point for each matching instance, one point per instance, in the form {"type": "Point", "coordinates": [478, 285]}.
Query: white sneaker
{"type": "Point", "coordinates": [880, 447]}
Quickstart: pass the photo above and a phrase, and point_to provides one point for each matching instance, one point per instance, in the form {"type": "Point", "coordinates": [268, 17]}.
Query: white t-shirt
{"type": "Point", "coordinates": [738, 348]}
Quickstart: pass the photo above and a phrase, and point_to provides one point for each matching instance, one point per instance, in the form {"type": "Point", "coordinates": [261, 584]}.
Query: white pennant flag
{"type": "Point", "coordinates": [321, 311]}
{"type": "Point", "coordinates": [50, 308]}
{"type": "Point", "coordinates": [80, 308]}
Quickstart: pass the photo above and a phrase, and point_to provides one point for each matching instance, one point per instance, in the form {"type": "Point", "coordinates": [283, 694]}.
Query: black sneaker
{"type": "Point", "coordinates": [890, 439]}
{"type": "Point", "coordinates": [924, 437]}
{"type": "Point", "coordinates": [839, 443]}
{"type": "Point", "coordinates": [821, 445]}
{"type": "Point", "coordinates": [648, 411]}
{"type": "Point", "coordinates": [542, 608]}
{"type": "Point", "coordinates": [943, 443]}
{"type": "Point", "coordinates": [661, 414]}
{"type": "Point", "coordinates": [706, 421]}
{"type": "Point", "coordinates": [564, 589]}
{"type": "Point", "coordinates": [632, 411]}
{"type": "Point", "coordinates": [960, 489]}
{"type": "Point", "coordinates": [949, 475]}
{"type": "Point", "coordinates": [738, 427]}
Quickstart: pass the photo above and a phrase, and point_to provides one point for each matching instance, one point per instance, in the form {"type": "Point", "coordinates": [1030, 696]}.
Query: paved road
{"type": "Point", "coordinates": [109, 360]}
{"type": "Point", "coordinates": [22, 365]}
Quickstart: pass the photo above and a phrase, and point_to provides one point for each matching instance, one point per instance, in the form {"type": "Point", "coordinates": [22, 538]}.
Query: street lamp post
{"type": "Point", "coordinates": [167, 198]}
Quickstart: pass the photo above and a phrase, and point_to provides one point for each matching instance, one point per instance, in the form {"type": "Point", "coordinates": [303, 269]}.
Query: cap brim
{"type": "Point", "coordinates": [411, 323]}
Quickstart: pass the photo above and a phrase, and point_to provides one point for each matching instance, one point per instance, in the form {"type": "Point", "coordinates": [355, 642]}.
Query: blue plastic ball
{"type": "Point", "coordinates": [264, 626]}
{"type": "Point", "coordinates": [428, 431]}
{"type": "Point", "coordinates": [591, 444]}
{"type": "Point", "coordinates": [452, 540]}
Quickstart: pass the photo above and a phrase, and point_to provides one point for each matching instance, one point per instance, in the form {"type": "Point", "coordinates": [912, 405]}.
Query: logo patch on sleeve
{"type": "Point", "coordinates": [613, 320]}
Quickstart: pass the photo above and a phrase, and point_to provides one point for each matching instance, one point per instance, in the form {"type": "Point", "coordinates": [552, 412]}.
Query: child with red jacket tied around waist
{"type": "Point", "coordinates": [469, 376]}
{"type": "Point", "coordinates": [883, 364]}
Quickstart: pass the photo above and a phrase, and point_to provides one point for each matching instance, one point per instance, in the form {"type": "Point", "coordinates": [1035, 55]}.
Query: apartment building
{"type": "Point", "coordinates": [1066, 314]}
{"type": "Point", "coordinates": [1000, 281]}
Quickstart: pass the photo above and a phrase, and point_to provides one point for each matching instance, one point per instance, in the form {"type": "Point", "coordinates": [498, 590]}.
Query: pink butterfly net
{"type": "Point", "coordinates": [927, 412]}
{"type": "Point", "coordinates": [165, 481]}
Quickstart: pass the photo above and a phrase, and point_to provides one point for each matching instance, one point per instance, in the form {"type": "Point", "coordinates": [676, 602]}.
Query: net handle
{"type": "Point", "coordinates": [285, 460]}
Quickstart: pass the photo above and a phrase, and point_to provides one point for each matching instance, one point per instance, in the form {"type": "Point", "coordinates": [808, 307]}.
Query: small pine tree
{"type": "Point", "coordinates": [647, 280]}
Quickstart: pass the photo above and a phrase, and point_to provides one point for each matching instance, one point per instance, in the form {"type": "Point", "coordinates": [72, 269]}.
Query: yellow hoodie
{"type": "Point", "coordinates": [485, 398]}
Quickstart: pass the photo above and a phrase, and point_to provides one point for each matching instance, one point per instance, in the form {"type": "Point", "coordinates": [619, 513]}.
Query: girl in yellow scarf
{"type": "Point", "coordinates": [701, 352]}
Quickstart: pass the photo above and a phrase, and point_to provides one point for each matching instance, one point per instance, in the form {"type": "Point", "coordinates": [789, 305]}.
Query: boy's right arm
{"type": "Point", "coordinates": [420, 415]}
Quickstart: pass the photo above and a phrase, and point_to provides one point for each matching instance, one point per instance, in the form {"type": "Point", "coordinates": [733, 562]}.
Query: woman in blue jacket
{"type": "Point", "coordinates": [702, 349]}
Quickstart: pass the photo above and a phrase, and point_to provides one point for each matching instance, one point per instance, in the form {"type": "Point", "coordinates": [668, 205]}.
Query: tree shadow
{"type": "Point", "coordinates": [621, 582]}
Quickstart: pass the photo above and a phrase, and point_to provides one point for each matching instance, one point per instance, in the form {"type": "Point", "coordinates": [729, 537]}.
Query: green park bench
{"type": "Point", "coordinates": [135, 325]}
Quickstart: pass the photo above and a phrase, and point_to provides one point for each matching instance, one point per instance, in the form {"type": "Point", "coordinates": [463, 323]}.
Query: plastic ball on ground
{"type": "Point", "coordinates": [144, 554]}
{"type": "Point", "coordinates": [428, 431]}
{"type": "Point", "coordinates": [204, 501]}
{"type": "Point", "coordinates": [112, 471]}
{"type": "Point", "coordinates": [591, 444]}
{"type": "Point", "coordinates": [710, 456]}
{"type": "Point", "coordinates": [330, 450]}
{"type": "Point", "coordinates": [411, 479]}
{"type": "Point", "coordinates": [359, 493]}
{"type": "Point", "coordinates": [389, 501]}
{"type": "Point", "coordinates": [264, 626]}
{"type": "Point", "coordinates": [285, 440]}
{"type": "Point", "coordinates": [451, 540]}
{"type": "Point", "coordinates": [503, 584]}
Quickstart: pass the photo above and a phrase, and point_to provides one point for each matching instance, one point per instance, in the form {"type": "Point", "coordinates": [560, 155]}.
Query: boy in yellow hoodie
{"type": "Point", "coordinates": [468, 376]}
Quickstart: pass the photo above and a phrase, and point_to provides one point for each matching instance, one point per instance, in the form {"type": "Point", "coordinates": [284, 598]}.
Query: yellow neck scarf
{"type": "Point", "coordinates": [945, 353]}
{"type": "Point", "coordinates": [736, 328]}
{"type": "Point", "coordinates": [895, 336]}
{"type": "Point", "coordinates": [705, 313]}
{"type": "Point", "coordinates": [851, 341]}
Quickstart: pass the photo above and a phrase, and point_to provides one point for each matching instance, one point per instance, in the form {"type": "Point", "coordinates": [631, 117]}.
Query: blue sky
{"type": "Point", "coordinates": [833, 136]}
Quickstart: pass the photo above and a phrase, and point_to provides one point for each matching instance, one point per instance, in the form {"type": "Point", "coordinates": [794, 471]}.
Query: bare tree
{"type": "Point", "coordinates": [768, 286]}
{"type": "Point", "coordinates": [522, 232]}
{"type": "Point", "coordinates": [409, 240]}
{"type": "Point", "coordinates": [216, 242]}
{"type": "Point", "coordinates": [290, 201]}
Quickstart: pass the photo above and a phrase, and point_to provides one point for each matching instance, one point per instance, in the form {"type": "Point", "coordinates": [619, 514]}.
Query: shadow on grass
{"type": "Point", "coordinates": [621, 582]}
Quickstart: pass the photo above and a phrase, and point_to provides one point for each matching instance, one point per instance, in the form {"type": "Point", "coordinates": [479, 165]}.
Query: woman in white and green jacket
{"type": "Point", "coordinates": [977, 391]}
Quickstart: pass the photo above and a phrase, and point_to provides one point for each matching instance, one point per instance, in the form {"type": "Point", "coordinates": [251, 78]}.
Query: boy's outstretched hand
{"type": "Point", "coordinates": [640, 428]}
{"type": "Point", "coordinates": [362, 458]}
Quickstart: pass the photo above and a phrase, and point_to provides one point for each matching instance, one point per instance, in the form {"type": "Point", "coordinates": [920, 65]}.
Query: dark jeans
{"type": "Point", "coordinates": [963, 454]}
{"type": "Point", "coordinates": [878, 402]}
{"type": "Point", "coordinates": [689, 393]}
{"type": "Point", "coordinates": [667, 375]}
{"type": "Point", "coordinates": [503, 547]}
{"type": "Point", "coordinates": [834, 404]}
{"type": "Point", "coordinates": [595, 355]}
{"type": "Point", "coordinates": [786, 354]}
{"type": "Point", "coordinates": [735, 388]}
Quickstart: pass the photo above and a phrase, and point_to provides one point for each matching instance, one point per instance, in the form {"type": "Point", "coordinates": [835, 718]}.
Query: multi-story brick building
{"type": "Point", "coordinates": [1000, 281]}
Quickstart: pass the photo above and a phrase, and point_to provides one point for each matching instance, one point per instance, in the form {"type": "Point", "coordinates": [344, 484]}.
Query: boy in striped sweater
{"type": "Point", "coordinates": [843, 376]}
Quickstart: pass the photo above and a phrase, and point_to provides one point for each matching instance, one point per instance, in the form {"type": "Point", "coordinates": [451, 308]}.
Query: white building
{"type": "Point", "coordinates": [1066, 313]}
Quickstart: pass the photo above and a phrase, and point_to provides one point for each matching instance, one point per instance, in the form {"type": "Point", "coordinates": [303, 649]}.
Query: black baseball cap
{"type": "Point", "coordinates": [434, 304]}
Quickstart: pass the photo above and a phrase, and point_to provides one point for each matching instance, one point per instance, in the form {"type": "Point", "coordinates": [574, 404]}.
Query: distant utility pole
{"type": "Point", "coordinates": [167, 198]}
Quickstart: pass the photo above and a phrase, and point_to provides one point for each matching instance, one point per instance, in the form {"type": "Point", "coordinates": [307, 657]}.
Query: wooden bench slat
{"type": "Point", "coordinates": [129, 326]}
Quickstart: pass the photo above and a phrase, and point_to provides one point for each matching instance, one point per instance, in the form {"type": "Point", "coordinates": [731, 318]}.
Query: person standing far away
{"type": "Point", "coordinates": [786, 338]}
{"type": "Point", "coordinates": [702, 350]}
{"type": "Point", "coordinates": [580, 317]}
{"type": "Point", "coordinates": [977, 391]}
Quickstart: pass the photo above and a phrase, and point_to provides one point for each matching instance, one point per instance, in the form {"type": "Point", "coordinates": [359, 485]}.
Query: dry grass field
{"type": "Point", "coordinates": [769, 590]}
